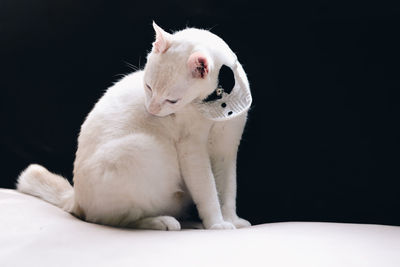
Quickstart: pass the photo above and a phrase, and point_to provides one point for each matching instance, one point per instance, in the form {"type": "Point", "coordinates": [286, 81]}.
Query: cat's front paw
{"type": "Point", "coordinates": [236, 220]}
{"type": "Point", "coordinates": [222, 226]}
{"type": "Point", "coordinates": [240, 223]}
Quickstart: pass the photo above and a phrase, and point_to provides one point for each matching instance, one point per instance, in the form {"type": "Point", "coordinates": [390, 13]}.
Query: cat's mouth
{"type": "Point", "coordinates": [153, 109]}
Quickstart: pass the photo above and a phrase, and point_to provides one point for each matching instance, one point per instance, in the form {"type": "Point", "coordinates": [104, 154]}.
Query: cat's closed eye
{"type": "Point", "coordinates": [172, 101]}
{"type": "Point", "coordinates": [148, 87]}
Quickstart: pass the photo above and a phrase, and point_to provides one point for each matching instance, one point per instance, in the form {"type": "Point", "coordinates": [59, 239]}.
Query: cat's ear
{"type": "Point", "coordinates": [162, 42]}
{"type": "Point", "coordinates": [198, 65]}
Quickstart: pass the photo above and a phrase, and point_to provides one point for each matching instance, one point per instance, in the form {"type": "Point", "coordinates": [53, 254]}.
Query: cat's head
{"type": "Point", "coordinates": [179, 69]}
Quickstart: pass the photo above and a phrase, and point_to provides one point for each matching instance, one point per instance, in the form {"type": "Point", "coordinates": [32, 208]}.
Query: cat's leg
{"type": "Point", "coordinates": [199, 179]}
{"type": "Point", "coordinates": [223, 146]}
{"type": "Point", "coordinates": [131, 181]}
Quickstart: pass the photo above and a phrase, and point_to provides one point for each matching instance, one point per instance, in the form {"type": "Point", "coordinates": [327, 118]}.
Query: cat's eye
{"type": "Point", "coordinates": [148, 87]}
{"type": "Point", "coordinates": [172, 101]}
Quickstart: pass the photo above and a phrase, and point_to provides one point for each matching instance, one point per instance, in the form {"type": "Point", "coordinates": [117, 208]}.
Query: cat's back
{"type": "Point", "coordinates": [125, 95]}
{"type": "Point", "coordinates": [119, 110]}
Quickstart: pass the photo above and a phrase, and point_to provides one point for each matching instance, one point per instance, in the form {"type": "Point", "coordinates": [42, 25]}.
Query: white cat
{"type": "Point", "coordinates": [146, 152]}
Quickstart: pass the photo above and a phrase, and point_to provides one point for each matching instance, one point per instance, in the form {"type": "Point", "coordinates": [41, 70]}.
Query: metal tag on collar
{"type": "Point", "coordinates": [219, 91]}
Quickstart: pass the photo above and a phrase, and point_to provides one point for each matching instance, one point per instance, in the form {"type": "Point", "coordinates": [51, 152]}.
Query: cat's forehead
{"type": "Point", "coordinates": [164, 71]}
{"type": "Point", "coordinates": [166, 64]}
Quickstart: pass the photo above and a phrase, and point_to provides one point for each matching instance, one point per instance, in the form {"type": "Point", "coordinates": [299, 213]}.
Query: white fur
{"type": "Point", "coordinates": [136, 169]}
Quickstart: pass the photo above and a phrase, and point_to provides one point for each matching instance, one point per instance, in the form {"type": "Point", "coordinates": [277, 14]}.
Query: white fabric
{"type": "Point", "coordinates": [35, 233]}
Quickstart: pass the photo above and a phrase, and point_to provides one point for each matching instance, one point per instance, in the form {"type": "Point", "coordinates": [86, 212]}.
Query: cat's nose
{"type": "Point", "coordinates": [154, 107]}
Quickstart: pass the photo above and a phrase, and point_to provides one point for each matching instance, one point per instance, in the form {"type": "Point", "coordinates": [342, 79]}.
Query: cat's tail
{"type": "Point", "coordinates": [38, 181]}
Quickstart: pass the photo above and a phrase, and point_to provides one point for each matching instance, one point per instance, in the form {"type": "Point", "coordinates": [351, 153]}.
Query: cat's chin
{"type": "Point", "coordinates": [161, 114]}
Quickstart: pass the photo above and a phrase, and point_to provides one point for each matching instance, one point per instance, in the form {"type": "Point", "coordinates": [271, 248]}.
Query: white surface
{"type": "Point", "coordinates": [35, 233]}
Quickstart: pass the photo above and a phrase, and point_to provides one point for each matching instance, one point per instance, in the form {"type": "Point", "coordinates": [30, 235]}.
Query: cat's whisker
{"type": "Point", "coordinates": [212, 27]}
{"type": "Point", "coordinates": [133, 67]}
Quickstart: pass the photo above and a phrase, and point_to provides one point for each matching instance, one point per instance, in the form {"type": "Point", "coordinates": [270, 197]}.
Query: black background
{"type": "Point", "coordinates": [322, 140]}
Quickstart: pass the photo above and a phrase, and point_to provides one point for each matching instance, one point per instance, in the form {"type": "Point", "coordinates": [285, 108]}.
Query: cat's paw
{"type": "Point", "coordinates": [236, 220]}
{"type": "Point", "coordinates": [222, 226]}
{"type": "Point", "coordinates": [166, 223]}
{"type": "Point", "coordinates": [240, 223]}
